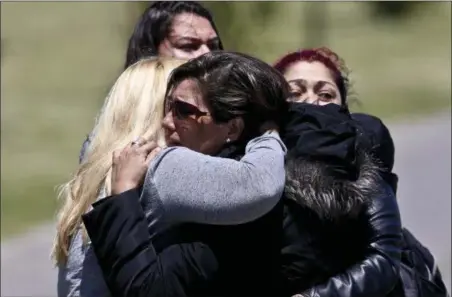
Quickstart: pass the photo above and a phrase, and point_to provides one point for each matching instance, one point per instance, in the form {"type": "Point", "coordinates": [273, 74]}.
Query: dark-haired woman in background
{"type": "Point", "coordinates": [179, 29]}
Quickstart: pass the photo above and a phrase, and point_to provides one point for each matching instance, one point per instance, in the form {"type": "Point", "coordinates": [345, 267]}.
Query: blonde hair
{"type": "Point", "coordinates": [134, 107]}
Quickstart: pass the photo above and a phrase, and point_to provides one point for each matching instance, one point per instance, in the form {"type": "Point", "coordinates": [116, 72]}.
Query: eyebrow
{"type": "Point", "coordinates": [298, 82]}
{"type": "Point", "coordinates": [194, 38]}
{"type": "Point", "coordinates": [303, 82]}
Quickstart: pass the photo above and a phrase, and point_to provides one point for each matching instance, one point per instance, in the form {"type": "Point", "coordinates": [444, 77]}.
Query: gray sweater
{"type": "Point", "coordinates": [185, 186]}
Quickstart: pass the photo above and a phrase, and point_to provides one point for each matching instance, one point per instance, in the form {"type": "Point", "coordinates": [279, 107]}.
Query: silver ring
{"type": "Point", "coordinates": [136, 142]}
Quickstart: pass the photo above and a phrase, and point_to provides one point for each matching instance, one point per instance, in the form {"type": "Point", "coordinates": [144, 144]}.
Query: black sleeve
{"type": "Point", "coordinates": [131, 267]}
{"type": "Point", "coordinates": [378, 273]}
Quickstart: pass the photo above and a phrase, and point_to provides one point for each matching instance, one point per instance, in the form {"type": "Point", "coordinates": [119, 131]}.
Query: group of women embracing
{"type": "Point", "coordinates": [212, 173]}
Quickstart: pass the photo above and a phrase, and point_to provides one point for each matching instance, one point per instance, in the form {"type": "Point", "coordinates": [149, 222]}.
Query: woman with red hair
{"type": "Point", "coordinates": [316, 76]}
{"type": "Point", "coordinates": [319, 76]}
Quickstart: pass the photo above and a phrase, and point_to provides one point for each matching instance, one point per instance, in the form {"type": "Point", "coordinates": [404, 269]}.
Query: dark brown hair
{"type": "Point", "coordinates": [237, 85]}
{"type": "Point", "coordinates": [154, 24]}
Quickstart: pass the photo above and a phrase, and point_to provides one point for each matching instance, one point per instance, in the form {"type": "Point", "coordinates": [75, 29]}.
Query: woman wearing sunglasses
{"type": "Point", "coordinates": [211, 173]}
{"type": "Point", "coordinates": [243, 260]}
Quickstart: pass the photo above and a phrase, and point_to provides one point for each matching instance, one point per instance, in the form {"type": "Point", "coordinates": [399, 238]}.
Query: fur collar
{"type": "Point", "coordinates": [309, 184]}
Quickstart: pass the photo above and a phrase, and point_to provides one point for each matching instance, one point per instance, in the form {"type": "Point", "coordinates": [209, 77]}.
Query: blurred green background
{"type": "Point", "coordinates": [60, 58]}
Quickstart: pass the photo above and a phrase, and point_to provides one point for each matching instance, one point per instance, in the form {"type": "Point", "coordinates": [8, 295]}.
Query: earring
{"type": "Point", "coordinates": [228, 140]}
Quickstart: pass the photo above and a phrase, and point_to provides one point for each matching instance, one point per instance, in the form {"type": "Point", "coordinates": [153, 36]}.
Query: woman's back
{"type": "Point", "coordinates": [329, 184]}
{"type": "Point", "coordinates": [250, 256]}
{"type": "Point", "coordinates": [247, 254]}
{"type": "Point", "coordinates": [318, 246]}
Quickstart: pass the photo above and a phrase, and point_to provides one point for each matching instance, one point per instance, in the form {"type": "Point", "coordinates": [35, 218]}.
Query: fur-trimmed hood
{"type": "Point", "coordinates": [311, 185]}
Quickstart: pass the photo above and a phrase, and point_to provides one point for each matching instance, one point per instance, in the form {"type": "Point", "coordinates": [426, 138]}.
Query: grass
{"type": "Point", "coordinates": [60, 58]}
{"type": "Point", "coordinates": [397, 67]}
{"type": "Point", "coordinates": [58, 61]}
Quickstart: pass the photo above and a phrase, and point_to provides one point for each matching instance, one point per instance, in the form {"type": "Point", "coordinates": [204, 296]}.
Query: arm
{"type": "Point", "coordinates": [81, 273]}
{"type": "Point", "coordinates": [131, 267]}
{"type": "Point", "coordinates": [378, 273]}
{"type": "Point", "coordinates": [193, 187]}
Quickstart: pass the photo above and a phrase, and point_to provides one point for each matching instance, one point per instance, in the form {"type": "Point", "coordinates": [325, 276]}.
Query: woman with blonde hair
{"type": "Point", "coordinates": [134, 107]}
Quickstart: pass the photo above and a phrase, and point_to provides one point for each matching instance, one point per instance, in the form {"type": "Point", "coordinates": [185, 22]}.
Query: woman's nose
{"type": "Point", "coordinates": [168, 122]}
{"type": "Point", "coordinates": [311, 100]}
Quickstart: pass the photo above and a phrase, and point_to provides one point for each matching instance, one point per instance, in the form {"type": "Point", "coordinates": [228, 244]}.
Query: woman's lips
{"type": "Point", "coordinates": [172, 140]}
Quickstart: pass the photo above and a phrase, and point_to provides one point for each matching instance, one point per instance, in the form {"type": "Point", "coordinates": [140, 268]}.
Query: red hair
{"type": "Point", "coordinates": [323, 55]}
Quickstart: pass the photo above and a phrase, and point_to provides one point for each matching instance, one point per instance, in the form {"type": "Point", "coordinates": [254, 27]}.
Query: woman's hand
{"type": "Point", "coordinates": [131, 164]}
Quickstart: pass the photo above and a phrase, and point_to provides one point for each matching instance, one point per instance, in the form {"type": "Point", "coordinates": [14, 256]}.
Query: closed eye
{"type": "Point", "coordinates": [189, 47]}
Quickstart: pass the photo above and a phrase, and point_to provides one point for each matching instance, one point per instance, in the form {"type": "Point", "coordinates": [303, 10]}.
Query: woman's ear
{"type": "Point", "coordinates": [235, 128]}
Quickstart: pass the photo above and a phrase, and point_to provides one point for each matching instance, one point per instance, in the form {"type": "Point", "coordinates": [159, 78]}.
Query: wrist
{"type": "Point", "coordinates": [122, 187]}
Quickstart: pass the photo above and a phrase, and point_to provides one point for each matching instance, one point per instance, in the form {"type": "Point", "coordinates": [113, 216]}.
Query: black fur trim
{"type": "Point", "coordinates": [311, 185]}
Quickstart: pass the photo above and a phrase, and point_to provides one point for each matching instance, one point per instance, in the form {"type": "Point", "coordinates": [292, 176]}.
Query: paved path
{"type": "Point", "coordinates": [423, 162]}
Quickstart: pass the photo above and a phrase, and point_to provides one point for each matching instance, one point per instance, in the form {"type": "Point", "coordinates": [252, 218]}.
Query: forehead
{"type": "Point", "coordinates": [310, 71]}
{"type": "Point", "coordinates": [188, 91]}
{"type": "Point", "coordinates": [192, 25]}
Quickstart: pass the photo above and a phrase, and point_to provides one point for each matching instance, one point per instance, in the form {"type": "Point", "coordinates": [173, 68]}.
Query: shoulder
{"type": "Point", "coordinates": [368, 121]}
{"type": "Point", "coordinates": [310, 186]}
{"type": "Point", "coordinates": [376, 137]}
{"type": "Point", "coordinates": [373, 127]}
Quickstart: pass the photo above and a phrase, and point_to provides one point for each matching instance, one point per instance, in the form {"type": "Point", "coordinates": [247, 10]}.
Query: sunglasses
{"type": "Point", "coordinates": [183, 110]}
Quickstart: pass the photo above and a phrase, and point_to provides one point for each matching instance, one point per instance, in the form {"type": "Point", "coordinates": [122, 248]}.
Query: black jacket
{"type": "Point", "coordinates": [419, 274]}
{"type": "Point", "coordinates": [241, 260]}
{"type": "Point", "coordinates": [129, 261]}
{"type": "Point", "coordinates": [192, 260]}
{"type": "Point", "coordinates": [339, 240]}
{"type": "Point", "coordinates": [342, 224]}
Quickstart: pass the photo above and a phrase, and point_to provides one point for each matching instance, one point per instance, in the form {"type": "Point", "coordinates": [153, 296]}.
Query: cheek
{"type": "Point", "coordinates": [165, 49]}
{"type": "Point", "coordinates": [168, 50]}
{"type": "Point", "coordinates": [181, 54]}
{"type": "Point", "coordinates": [182, 128]}
{"type": "Point", "coordinates": [211, 139]}
{"type": "Point", "coordinates": [190, 134]}
{"type": "Point", "coordinates": [335, 101]}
